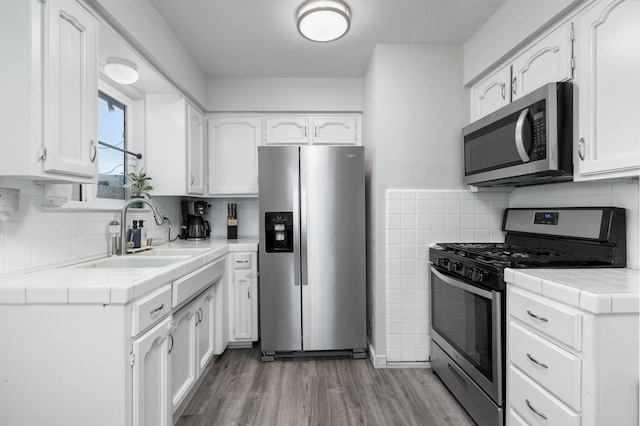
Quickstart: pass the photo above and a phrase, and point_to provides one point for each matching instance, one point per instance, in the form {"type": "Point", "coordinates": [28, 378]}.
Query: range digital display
{"type": "Point", "coordinates": [546, 218]}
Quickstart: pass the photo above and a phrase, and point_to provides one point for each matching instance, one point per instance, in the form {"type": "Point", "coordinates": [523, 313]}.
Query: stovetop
{"type": "Point", "coordinates": [502, 255]}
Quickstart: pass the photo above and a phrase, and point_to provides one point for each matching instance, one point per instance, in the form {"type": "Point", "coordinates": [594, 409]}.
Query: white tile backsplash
{"type": "Point", "coordinates": [36, 236]}
{"type": "Point", "coordinates": [451, 216]}
{"type": "Point", "coordinates": [425, 217]}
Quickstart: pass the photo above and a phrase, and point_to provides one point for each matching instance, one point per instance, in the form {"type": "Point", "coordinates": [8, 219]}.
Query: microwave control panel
{"type": "Point", "coordinates": [539, 132]}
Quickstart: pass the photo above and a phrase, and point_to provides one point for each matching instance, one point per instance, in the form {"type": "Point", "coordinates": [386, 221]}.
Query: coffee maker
{"type": "Point", "coordinates": [195, 226]}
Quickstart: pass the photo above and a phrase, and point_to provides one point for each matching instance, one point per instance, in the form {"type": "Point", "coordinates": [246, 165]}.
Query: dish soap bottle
{"type": "Point", "coordinates": [134, 235]}
{"type": "Point", "coordinates": [143, 233]}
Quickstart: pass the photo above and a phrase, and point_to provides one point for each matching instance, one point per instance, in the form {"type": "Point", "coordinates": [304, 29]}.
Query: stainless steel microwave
{"type": "Point", "coordinates": [526, 142]}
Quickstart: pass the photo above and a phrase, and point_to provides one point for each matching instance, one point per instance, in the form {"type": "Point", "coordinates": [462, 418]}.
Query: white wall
{"type": "Point", "coordinates": [35, 237]}
{"type": "Point", "coordinates": [284, 94]}
{"type": "Point", "coordinates": [415, 106]}
{"type": "Point", "coordinates": [147, 32]}
{"type": "Point", "coordinates": [514, 23]}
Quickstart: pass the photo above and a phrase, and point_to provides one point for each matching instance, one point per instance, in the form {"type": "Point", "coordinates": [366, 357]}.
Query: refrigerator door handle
{"type": "Point", "coordinates": [296, 228]}
{"type": "Point", "coordinates": [303, 228]}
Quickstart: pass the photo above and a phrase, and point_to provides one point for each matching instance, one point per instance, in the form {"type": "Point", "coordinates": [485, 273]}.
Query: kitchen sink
{"type": "Point", "coordinates": [172, 252]}
{"type": "Point", "coordinates": [133, 262]}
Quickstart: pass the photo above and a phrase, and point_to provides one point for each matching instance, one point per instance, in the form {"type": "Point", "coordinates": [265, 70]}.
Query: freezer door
{"type": "Point", "coordinates": [280, 298]}
{"type": "Point", "coordinates": [333, 247]}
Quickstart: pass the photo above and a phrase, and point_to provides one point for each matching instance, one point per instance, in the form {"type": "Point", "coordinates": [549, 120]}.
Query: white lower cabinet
{"type": "Point", "coordinates": [151, 387]}
{"type": "Point", "coordinates": [183, 353]}
{"type": "Point", "coordinates": [206, 328]}
{"type": "Point", "coordinates": [568, 366]}
{"type": "Point", "coordinates": [243, 283]}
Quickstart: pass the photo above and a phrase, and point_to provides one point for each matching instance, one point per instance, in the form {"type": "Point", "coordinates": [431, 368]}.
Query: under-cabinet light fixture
{"type": "Point", "coordinates": [323, 20]}
{"type": "Point", "coordinates": [121, 71]}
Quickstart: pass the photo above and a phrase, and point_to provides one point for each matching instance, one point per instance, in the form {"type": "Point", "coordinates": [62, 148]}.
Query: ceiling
{"type": "Point", "coordinates": [258, 38]}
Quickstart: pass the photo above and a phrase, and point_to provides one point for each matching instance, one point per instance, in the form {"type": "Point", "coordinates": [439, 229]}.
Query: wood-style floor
{"type": "Point", "coordinates": [242, 390]}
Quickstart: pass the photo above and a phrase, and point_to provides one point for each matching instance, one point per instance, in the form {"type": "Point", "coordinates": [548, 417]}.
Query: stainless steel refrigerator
{"type": "Point", "coordinates": [312, 251]}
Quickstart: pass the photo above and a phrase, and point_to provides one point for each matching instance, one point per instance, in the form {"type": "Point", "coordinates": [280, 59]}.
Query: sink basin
{"type": "Point", "coordinates": [172, 252]}
{"type": "Point", "coordinates": [133, 262]}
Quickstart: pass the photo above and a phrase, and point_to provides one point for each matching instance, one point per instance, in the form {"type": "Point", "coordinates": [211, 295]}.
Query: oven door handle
{"type": "Point", "coordinates": [522, 152]}
{"type": "Point", "coordinates": [461, 285]}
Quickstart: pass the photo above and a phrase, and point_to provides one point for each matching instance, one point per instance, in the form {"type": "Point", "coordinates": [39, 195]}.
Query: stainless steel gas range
{"type": "Point", "coordinates": [467, 292]}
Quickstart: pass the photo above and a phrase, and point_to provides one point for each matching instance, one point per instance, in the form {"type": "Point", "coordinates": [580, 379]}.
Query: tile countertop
{"type": "Point", "coordinates": [71, 285]}
{"type": "Point", "coordinates": [599, 291]}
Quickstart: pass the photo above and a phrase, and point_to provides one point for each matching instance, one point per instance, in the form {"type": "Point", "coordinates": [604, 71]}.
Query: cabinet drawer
{"type": "Point", "coordinates": [536, 406]}
{"type": "Point", "coordinates": [557, 370]}
{"type": "Point", "coordinates": [242, 261]}
{"type": "Point", "coordinates": [546, 317]}
{"type": "Point", "coordinates": [194, 283]}
{"type": "Point", "coordinates": [149, 310]}
{"type": "Point", "coordinates": [513, 419]}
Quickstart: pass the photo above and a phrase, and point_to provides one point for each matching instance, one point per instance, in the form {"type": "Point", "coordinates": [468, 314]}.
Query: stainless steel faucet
{"type": "Point", "coordinates": [123, 220]}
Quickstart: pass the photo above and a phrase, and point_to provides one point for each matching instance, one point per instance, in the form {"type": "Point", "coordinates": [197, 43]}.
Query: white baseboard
{"type": "Point", "coordinates": [380, 361]}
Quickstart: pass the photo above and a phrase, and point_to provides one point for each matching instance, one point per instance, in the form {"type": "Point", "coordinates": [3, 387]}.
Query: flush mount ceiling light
{"type": "Point", "coordinates": [323, 20]}
{"type": "Point", "coordinates": [121, 71]}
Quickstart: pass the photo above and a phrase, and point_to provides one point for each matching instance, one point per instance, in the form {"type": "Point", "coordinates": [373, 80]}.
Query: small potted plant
{"type": "Point", "coordinates": [139, 185]}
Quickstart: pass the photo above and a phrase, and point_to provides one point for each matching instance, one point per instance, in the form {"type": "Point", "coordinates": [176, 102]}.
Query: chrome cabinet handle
{"type": "Point", "coordinates": [242, 261]}
{"type": "Point", "coordinates": [535, 361]}
{"type": "Point", "coordinates": [201, 315]}
{"type": "Point", "coordinates": [159, 308]}
{"type": "Point", "coordinates": [536, 412]}
{"type": "Point", "coordinates": [581, 149]}
{"type": "Point", "coordinates": [502, 91]}
{"type": "Point", "coordinates": [193, 178]}
{"type": "Point", "coordinates": [514, 86]}
{"type": "Point", "coordinates": [522, 152]}
{"type": "Point", "coordinates": [94, 150]}
{"type": "Point", "coordinates": [171, 338]}
{"type": "Point", "coordinates": [532, 315]}
{"type": "Point", "coordinates": [305, 131]}
{"type": "Point", "coordinates": [315, 132]}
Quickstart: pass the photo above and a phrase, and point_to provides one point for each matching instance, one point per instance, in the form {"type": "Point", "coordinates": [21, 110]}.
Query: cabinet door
{"type": "Point", "coordinates": [546, 61]}
{"type": "Point", "coordinates": [206, 327]}
{"type": "Point", "coordinates": [195, 148]}
{"type": "Point", "coordinates": [166, 160]}
{"type": "Point", "coordinates": [608, 91]}
{"type": "Point", "coordinates": [71, 96]}
{"type": "Point", "coordinates": [233, 155]}
{"type": "Point", "coordinates": [183, 355]}
{"type": "Point", "coordinates": [286, 131]}
{"type": "Point", "coordinates": [491, 93]}
{"type": "Point", "coordinates": [335, 131]}
{"type": "Point", "coordinates": [151, 381]}
{"type": "Point", "coordinates": [242, 312]}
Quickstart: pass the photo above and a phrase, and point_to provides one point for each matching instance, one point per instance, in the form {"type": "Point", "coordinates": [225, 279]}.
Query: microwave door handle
{"type": "Point", "coordinates": [522, 152]}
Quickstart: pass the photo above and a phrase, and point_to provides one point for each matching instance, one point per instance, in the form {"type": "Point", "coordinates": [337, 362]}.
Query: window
{"type": "Point", "coordinates": [112, 126]}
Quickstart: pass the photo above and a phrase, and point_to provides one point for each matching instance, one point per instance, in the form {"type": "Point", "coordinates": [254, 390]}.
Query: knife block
{"type": "Point", "coordinates": [232, 229]}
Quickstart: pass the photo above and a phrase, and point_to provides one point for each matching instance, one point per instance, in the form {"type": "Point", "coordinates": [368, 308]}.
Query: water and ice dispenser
{"type": "Point", "coordinates": [278, 227]}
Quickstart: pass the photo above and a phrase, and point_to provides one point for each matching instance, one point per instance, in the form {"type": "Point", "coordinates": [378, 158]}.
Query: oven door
{"type": "Point", "coordinates": [466, 323]}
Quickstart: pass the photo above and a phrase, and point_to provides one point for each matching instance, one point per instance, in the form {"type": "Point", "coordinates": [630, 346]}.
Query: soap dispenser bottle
{"type": "Point", "coordinates": [143, 233]}
{"type": "Point", "coordinates": [134, 235]}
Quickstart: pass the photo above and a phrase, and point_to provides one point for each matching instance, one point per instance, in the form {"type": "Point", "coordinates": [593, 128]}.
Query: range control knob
{"type": "Point", "coordinates": [465, 271]}
{"type": "Point", "coordinates": [477, 275]}
{"type": "Point", "coordinates": [454, 266]}
{"type": "Point", "coordinates": [441, 261]}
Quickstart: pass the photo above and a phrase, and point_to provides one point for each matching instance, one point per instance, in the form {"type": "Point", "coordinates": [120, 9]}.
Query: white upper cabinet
{"type": "Point", "coordinates": [608, 91]}
{"type": "Point", "coordinates": [286, 130]}
{"type": "Point", "coordinates": [547, 61]}
{"type": "Point", "coordinates": [335, 130]}
{"type": "Point", "coordinates": [49, 127]}
{"type": "Point", "coordinates": [196, 152]}
{"type": "Point", "coordinates": [233, 155]}
{"type": "Point", "coordinates": [175, 146]}
{"type": "Point", "coordinates": [491, 94]}
{"type": "Point", "coordinates": [332, 129]}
